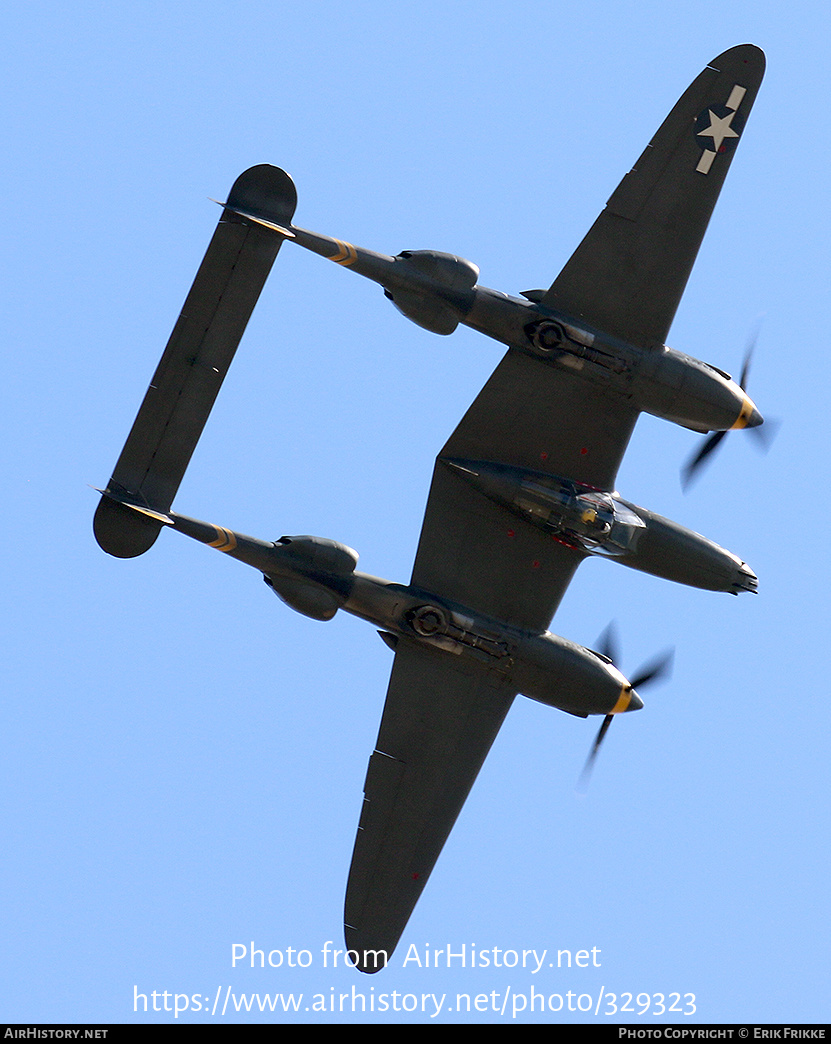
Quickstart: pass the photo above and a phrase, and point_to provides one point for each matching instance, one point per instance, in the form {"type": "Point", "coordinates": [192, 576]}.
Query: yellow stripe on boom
{"type": "Point", "coordinates": [225, 539]}
{"type": "Point", "coordinates": [347, 255]}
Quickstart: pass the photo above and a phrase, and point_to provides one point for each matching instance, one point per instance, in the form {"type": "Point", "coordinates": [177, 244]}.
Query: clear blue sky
{"type": "Point", "coordinates": [182, 755]}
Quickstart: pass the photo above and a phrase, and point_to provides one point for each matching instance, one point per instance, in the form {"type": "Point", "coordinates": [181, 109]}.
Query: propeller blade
{"type": "Point", "coordinates": [748, 355]}
{"type": "Point", "coordinates": [658, 668]}
{"type": "Point", "coordinates": [608, 644]}
{"type": "Point", "coordinates": [693, 465]}
{"type": "Point", "coordinates": [585, 775]}
{"type": "Point", "coordinates": [765, 433]}
{"type": "Point", "coordinates": [652, 671]}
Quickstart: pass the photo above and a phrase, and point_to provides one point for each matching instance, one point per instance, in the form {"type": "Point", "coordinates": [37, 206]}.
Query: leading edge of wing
{"type": "Point", "coordinates": [440, 719]}
{"type": "Point", "coordinates": [197, 357]}
{"type": "Point", "coordinates": [628, 274]}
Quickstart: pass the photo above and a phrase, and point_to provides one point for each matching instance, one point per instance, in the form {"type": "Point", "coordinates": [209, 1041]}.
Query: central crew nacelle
{"type": "Point", "coordinates": [594, 522]}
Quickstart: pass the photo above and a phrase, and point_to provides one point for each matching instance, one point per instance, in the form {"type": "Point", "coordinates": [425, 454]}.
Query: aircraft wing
{"type": "Point", "coordinates": [441, 716]}
{"type": "Point", "coordinates": [442, 711]}
{"type": "Point", "coordinates": [196, 359]}
{"type": "Point", "coordinates": [628, 274]}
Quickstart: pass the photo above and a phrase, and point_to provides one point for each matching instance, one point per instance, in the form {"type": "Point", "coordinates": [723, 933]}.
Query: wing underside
{"type": "Point", "coordinates": [628, 274]}
{"type": "Point", "coordinates": [441, 716]}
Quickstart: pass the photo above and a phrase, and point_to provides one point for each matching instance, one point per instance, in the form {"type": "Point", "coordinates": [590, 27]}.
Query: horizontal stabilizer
{"type": "Point", "coordinates": [195, 361]}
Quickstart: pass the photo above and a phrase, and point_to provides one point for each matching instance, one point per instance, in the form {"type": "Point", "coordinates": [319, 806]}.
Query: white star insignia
{"type": "Point", "coordinates": [719, 129]}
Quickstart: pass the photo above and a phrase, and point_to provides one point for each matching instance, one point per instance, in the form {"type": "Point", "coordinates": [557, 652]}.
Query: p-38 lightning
{"type": "Point", "coordinates": [522, 492]}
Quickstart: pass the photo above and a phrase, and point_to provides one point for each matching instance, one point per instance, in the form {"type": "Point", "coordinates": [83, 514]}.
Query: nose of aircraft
{"type": "Point", "coordinates": [746, 579]}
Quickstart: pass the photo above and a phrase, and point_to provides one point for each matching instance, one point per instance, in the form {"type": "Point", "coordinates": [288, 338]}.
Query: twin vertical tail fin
{"type": "Point", "coordinates": [195, 361]}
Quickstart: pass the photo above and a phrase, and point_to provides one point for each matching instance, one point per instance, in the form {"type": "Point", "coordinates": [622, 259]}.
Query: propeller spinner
{"type": "Point", "coordinates": [753, 422]}
{"type": "Point", "coordinates": [656, 669]}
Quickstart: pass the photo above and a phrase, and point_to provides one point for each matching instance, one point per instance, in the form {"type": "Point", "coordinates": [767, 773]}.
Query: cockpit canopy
{"type": "Point", "coordinates": [589, 519]}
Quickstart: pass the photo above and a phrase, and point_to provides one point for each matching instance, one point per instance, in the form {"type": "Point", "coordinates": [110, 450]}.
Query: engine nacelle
{"type": "Point", "coordinates": [306, 597]}
{"type": "Point", "coordinates": [692, 393]}
{"type": "Point", "coordinates": [448, 270]}
{"type": "Point", "coordinates": [434, 277]}
{"type": "Point", "coordinates": [319, 555]}
{"type": "Point", "coordinates": [559, 673]}
{"type": "Point", "coordinates": [318, 571]}
{"type": "Point", "coordinates": [425, 310]}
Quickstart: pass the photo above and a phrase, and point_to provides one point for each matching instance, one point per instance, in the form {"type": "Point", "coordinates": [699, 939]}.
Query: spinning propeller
{"type": "Point", "coordinates": [763, 433]}
{"type": "Point", "coordinates": [654, 670]}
